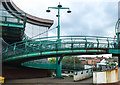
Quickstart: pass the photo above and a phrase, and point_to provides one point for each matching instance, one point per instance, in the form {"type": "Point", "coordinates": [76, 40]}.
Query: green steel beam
{"type": "Point", "coordinates": [115, 51]}
{"type": "Point", "coordinates": [40, 65]}
{"type": "Point", "coordinates": [36, 54]}
{"type": "Point", "coordinates": [58, 7]}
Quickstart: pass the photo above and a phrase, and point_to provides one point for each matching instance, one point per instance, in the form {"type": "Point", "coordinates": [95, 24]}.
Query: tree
{"type": "Point", "coordinates": [52, 60]}
{"type": "Point", "coordinates": [70, 60]}
{"type": "Point", "coordinates": [68, 63]}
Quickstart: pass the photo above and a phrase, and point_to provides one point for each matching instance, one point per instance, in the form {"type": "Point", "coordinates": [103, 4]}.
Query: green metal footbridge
{"type": "Point", "coordinates": [23, 51]}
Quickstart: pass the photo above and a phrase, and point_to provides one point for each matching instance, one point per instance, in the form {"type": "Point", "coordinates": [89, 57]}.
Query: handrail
{"type": "Point", "coordinates": [13, 15]}
{"type": "Point", "coordinates": [65, 42]}
{"type": "Point", "coordinates": [60, 37]}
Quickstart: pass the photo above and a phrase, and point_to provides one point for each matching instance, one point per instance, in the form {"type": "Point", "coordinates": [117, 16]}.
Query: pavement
{"type": "Point", "coordinates": [52, 81]}
{"type": "Point", "coordinates": [48, 80]}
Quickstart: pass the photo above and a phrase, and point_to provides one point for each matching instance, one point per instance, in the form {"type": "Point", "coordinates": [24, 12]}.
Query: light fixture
{"type": "Point", "coordinates": [48, 10]}
{"type": "Point", "coordinates": [68, 11]}
{"type": "Point", "coordinates": [59, 5]}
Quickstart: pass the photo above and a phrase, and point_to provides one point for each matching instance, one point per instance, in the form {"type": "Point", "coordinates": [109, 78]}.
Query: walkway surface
{"type": "Point", "coordinates": [51, 81]}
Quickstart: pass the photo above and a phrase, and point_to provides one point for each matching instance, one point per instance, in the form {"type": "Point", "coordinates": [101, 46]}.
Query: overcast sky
{"type": "Point", "coordinates": [88, 17]}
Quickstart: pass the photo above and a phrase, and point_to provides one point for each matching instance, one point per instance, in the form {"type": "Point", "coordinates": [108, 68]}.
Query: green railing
{"type": "Point", "coordinates": [12, 18]}
{"type": "Point", "coordinates": [53, 44]}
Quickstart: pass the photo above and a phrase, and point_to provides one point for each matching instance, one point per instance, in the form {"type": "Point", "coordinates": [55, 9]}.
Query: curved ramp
{"type": "Point", "coordinates": [52, 47]}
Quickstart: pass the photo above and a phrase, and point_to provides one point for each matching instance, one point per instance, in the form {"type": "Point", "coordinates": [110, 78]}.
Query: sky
{"type": "Point", "coordinates": [88, 17]}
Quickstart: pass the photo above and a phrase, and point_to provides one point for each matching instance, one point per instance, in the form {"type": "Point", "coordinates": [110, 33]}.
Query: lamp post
{"type": "Point", "coordinates": [58, 8]}
{"type": "Point", "coordinates": [58, 65]}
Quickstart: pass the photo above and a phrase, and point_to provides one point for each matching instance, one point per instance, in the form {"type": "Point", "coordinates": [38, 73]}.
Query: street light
{"type": "Point", "coordinates": [58, 68]}
{"type": "Point", "coordinates": [48, 10]}
{"type": "Point", "coordinates": [58, 7]}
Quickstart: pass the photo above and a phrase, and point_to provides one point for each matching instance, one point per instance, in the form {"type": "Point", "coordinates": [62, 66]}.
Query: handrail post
{"type": "Point", "coordinates": [85, 42]}
{"type": "Point", "coordinates": [6, 51]}
{"type": "Point", "coordinates": [71, 43]}
{"type": "Point", "coordinates": [98, 42]}
{"type": "Point", "coordinates": [40, 47]}
{"type": "Point", "coordinates": [14, 49]}
{"type": "Point", "coordinates": [5, 19]}
{"type": "Point", "coordinates": [25, 19]}
{"type": "Point", "coordinates": [18, 20]}
{"type": "Point", "coordinates": [26, 46]}
{"type": "Point", "coordinates": [108, 43]}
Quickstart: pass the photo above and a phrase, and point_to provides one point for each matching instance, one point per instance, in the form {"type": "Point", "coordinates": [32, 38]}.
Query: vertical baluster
{"type": "Point", "coordinates": [5, 19]}
{"type": "Point", "coordinates": [40, 47]}
{"type": "Point", "coordinates": [6, 51]}
{"type": "Point", "coordinates": [108, 43]}
{"type": "Point", "coordinates": [85, 42]}
{"type": "Point", "coordinates": [26, 47]}
{"type": "Point", "coordinates": [14, 49]}
{"type": "Point", "coordinates": [56, 46]}
{"type": "Point", "coordinates": [98, 42]}
{"type": "Point", "coordinates": [25, 19]}
{"type": "Point", "coordinates": [71, 43]}
{"type": "Point", "coordinates": [18, 20]}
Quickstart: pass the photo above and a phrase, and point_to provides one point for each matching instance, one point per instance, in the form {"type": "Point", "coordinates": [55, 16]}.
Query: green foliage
{"type": "Point", "coordinates": [68, 63]}
{"type": "Point", "coordinates": [52, 60]}
{"type": "Point", "coordinates": [114, 60]}
{"type": "Point", "coordinates": [71, 75]}
{"type": "Point", "coordinates": [70, 60]}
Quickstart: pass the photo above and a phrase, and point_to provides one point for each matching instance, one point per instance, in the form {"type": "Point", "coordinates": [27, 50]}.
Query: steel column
{"type": "Point", "coordinates": [58, 69]}
{"type": "Point", "coordinates": [58, 65]}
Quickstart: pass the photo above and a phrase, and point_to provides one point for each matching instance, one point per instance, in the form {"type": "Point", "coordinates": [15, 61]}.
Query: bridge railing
{"type": "Point", "coordinates": [12, 18]}
{"type": "Point", "coordinates": [64, 43]}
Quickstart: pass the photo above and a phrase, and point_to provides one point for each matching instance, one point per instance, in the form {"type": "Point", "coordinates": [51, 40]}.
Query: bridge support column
{"type": "Point", "coordinates": [58, 67]}
{"type": "Point", "coordinates": [118, 61]}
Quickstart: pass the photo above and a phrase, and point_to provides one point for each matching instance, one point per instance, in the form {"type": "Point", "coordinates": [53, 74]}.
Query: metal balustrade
{"type": "Point", "coordinates": [12, 18]}
{"type": "Point", "coordinates": [53, 44]}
